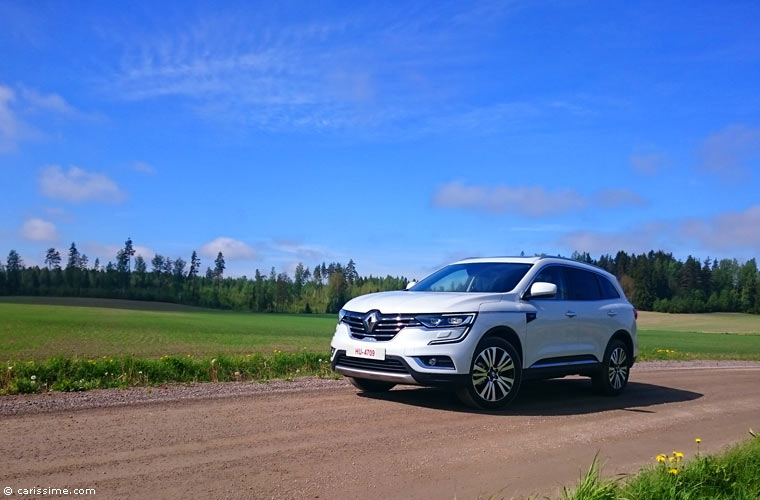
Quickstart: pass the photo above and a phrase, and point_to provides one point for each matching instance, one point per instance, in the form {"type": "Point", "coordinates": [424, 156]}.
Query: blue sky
{"type": "Point", "coordinates": [400, 134]}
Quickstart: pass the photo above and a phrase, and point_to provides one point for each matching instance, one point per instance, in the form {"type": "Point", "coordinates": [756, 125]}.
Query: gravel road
{"type": "Point", "coordinates": [317, 438]}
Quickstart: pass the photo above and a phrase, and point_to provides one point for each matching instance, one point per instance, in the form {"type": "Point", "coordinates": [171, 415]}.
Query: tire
{"type": "Point", "coordinates": [495, 375]}
{"type": "Point", "coordinates": [612, 378]}
{"type": "Point", "coordinates": [366, 385]}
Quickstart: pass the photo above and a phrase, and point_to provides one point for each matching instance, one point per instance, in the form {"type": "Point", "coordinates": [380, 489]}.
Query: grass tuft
{"type": "Point", "coordinates": [733, 475]}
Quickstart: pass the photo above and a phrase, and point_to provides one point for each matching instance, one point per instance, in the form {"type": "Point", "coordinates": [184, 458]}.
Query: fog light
{"type": "Point", "coordinates": [432, 362]}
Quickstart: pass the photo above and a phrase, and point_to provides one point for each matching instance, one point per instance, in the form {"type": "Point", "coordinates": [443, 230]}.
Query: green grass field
{"type": "Point", "coordinates": [37, 328]}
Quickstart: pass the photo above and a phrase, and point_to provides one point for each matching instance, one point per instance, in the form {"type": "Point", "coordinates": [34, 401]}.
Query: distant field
{"type": "Point", "coordinates": [707, 323]}
{"type": "Point", "coordinates": [36, 328]}
{"type": "Point", "coordinates": [37, 331]}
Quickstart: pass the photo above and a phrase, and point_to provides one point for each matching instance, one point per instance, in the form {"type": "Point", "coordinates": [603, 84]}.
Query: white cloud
{"type": "Point", "coordinates": [298, 249]}
{"type": "Point", "coordinates": [78, 185]}
{"type": "Point", "coordinates": [619, 197]}
{"type": "Point", "coordinates": [46, 102]}
{"type": "Point", "coordinates": [729, 152]}
{"type": "Point", "coordinates": [637, 239]}
{"type": "Point", "coordinates": [647, 164]}
{"type": "Point", "coordinates": [143, 168]}
{"type": "Point", "coordinates": [726, 231]}
{"type": "Point", "coordinates": [231, 248]}
{"type": "Point", "coordinates": [530, 201]}
{"type": "Point", "coordinates": [11, 127]}
{"type": "Point", "coordinates": [36, 229]}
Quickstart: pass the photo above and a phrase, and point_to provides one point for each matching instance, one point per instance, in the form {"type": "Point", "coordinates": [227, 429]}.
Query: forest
{"type": "Point", "coordinates": [652, 281]}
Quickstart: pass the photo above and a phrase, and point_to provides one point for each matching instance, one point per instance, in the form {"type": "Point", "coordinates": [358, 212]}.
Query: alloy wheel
{"type": "Point", "coordinates": [618, 370]}
{"type": "Point", "coordinates": [493, 374]}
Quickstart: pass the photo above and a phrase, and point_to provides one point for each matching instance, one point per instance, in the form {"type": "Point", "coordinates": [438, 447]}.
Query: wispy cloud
{"type": "Point", "coordinates": [78, 185]}
{"type": "Point", "coordinates": [12, 128]}
{"type": "Point", "coordinates": [725, 231]}
{"type": "Point", "coordinates": [231, 248]}
{"type": "Point", "coordinates": [36, 229]}
{"type": "Point", "coordinates": [648, 163]}
{"type": "Point", "coordinates": [528, 201]}
{"type": "Point", "coordinates": [143, 168]}
{"type": "Point", "coordinates": [729, 152]}
{"type": "Point", "coordinates": [619, 197]}
{"type": "Point", "coordinates": [22, 105]}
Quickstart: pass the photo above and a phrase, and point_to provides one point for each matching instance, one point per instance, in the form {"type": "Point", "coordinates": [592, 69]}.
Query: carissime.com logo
{"type": "Point", "coordinates": [38, 490]}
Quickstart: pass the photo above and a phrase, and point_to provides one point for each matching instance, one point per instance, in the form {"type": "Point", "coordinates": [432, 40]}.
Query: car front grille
{"type": "Point", "coordinates": [387, 365]}
{"type": "Point", "coordinates": [388, 325]}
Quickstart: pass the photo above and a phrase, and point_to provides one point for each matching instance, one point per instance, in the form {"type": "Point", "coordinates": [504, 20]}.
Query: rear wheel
{"type": "Point", "coordinates": [366, 385]}
{"type": "Point", "coordinates": [612, 378]}
{"type": "Point", "coordinates": [495, 375]}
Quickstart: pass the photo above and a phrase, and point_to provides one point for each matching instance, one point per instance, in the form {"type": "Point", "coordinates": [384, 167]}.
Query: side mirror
{"type": "Point", "coordinates": [410, 285]}
{"type": "Point", "coordinates": [542, 289]}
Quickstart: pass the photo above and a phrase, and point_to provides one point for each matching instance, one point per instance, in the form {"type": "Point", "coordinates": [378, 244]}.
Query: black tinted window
{"type": "Point", "coordinates": [556, 275]}
{"type": "Point", "coordinates": [582, 284]}
{"type": "Point", "coordinates": [608, 289]}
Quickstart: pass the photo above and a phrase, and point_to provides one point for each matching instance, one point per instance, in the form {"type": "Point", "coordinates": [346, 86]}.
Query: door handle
{"type": "Point", "coordinates": [570, 314]}
{"type": "Point", "coordinates": [611, 313]}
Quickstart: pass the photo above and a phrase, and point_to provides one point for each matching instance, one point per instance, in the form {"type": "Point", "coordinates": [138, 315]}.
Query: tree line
{"type": "Point", "coordinates": [323, 288]}
{"type": "Point", "coordinates": [653, 281]}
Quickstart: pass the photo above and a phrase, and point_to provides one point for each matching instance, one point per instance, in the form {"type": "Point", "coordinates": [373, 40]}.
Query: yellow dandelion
{"type": "Point", "coordinates": [660, 459]}
{"type": "Point", "coordinates": [698, 440]}
{"type": "Point", "coordinates": [673, 472]}
{"type": "Point", "coordinates": [678, 454]}
{"type": "Point", "coordinates": [671, 459]}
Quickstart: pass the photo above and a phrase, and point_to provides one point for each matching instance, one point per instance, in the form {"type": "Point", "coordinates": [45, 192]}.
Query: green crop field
{"type": "Point", "coordinates": [37, 328]}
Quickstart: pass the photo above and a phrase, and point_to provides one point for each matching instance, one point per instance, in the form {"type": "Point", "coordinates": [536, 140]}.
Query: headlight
{"type": "Point", "coordinates": [341, 314]}
{"type": "Point", "coordinates": [445, 320]}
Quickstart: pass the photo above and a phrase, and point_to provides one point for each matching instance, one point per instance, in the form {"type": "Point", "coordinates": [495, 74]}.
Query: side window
{"type": "Point", "coordinates": [582, 285]}
{"type": "Point", "coordinates": [608, 289]}
{"type": "Point", "coordinates": [556, 275]}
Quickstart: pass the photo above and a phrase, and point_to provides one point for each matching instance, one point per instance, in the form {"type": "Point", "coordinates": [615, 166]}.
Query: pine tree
{"type": "Point", "coordinates": [53, 259]}
{"type": "Point", "coordinates": [129, 251]}
{"type": "Point", "coordinates": [219, 266]}
{"type": "Point", "coordinates": [73, 262]}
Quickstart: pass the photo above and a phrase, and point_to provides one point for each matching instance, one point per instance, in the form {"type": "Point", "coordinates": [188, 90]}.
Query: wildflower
{"type": "Point", "coordinates": [678, 455]}
{"type": "Point", "coordinates": [661, 458]}
{"type": "Point", "coordinates": [671, 459]}
{"type": "Point", "coordinates": [673, 472]}
{"type": "Point", "coordinates": [140, 372]}
{"type": "Point", "coordinates": [698, 440]}
{"type": "Point", "coordinates": [320, 360]}
{"type": "Point", "coordinates": [34, 377]}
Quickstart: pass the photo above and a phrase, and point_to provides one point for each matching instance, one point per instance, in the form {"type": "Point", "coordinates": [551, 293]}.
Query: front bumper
{"type": "Point", "coordinates": [359, 368]}
{"type": "Point", "coordinates": [403, 354]}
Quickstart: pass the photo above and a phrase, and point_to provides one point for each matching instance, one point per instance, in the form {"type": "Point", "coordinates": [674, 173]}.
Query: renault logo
{"type": "Point", "coordinates": [370, 320]}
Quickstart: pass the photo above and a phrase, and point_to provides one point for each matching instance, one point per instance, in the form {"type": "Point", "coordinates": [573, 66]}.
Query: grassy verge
{"type": "Point", "coordinates": [734, 475]}
{"type": "Point", "coordinates": [660, 344]}
{"type": "Point", "coordinates": [62, 373]}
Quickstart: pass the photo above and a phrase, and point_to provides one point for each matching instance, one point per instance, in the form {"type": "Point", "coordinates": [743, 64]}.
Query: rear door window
{"type": "Point", "coordinates": [582, 285]}
{"type": "Point", "coordinates": [608, 289]}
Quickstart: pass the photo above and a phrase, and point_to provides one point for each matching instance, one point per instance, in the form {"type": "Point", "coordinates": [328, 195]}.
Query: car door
{"type": "Point", "coordinates": [552, 333]}
{"type": "Point", "coordinates": [591, 310]}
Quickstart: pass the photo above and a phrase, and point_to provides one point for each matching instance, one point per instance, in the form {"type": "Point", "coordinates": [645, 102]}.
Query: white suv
{"type": "Point", "coordinates": [481, 326]}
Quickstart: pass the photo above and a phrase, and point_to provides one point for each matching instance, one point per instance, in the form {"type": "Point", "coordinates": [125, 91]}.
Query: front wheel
{"type": "Point", "coordinates": [612, 378]}
{"type": "Point", "coordinates": [495, 375]}
{"type": "Point", "coordinates": [366, 385]}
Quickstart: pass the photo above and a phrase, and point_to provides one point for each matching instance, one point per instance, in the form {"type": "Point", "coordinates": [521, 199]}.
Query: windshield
{"type": "Point", "coordinates": [476, 277]}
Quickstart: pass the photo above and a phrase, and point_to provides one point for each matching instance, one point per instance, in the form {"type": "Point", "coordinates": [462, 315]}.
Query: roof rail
{"type": "Point", "coordinates": [541, 257]}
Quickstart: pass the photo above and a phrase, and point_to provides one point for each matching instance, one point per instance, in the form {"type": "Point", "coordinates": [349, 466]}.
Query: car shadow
{"type": "Point", "coordinates": [568, 396]}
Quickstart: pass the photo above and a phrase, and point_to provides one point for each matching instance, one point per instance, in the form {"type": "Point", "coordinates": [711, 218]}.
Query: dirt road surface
{"type": "Point", "coordinates": [325, 441]}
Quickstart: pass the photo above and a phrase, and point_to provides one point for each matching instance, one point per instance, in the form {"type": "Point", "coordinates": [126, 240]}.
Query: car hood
{"type": "Point", "coordinates": [408, 302]}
